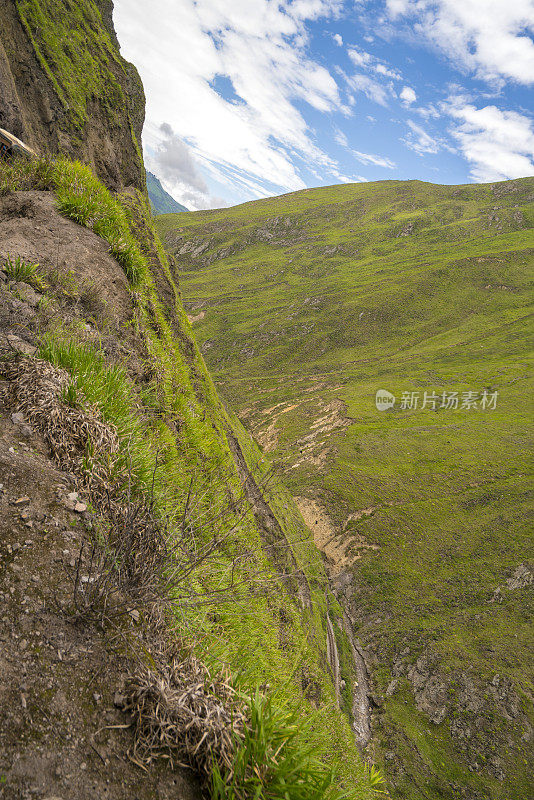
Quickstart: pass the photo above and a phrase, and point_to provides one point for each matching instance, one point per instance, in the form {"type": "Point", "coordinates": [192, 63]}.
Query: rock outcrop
{"type": "Point", "coordinates": [65, 89]}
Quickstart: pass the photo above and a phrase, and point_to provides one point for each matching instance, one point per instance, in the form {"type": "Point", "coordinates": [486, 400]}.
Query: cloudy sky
{"type": "Point", "coordinates": [249, 98]}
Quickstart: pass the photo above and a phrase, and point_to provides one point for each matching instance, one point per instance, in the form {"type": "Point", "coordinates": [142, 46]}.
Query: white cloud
{"type": "Point", "coordinates": [261, 48]}
{"type": "Point", "coordinates": [428, 112]}
{"type": "Point", "coordinates": [377, 161]}
{"type": "Point", "coordinates": [388, 72]}
{"type": "Point", "coordinates": [376, 78]}
{"type": "Point", "coordinates": [362, 59]}
{"type": "Point", "coordinates": [498, 144]}
{"type": "Point", "coordinates": [369, 86]}
{"type": "Point", "coordinates": [338, 39]}
{"type": "Point", "coordinates": [408, 96]}
{"type": "Point", "coordinates": [359, 57]}
{"type": "Point", "coordinates": [488, 37]}
{"type": "Point", "coordinates": [419, 140]}
{"type": "Point", "coordinates": [341, 139]}
{"type": "Point", "coordinates": [174, 164]}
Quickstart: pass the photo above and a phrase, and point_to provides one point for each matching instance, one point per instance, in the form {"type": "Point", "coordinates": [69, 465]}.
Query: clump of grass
{"type": "Point", "coordinates": [375, 778]}
{"type": "Point", "coordinates": [69, 395]}
{"type": "Point", "coordinates": [134, 563]}
{"type": "Point", "coordinates": [17, 269]}
{"type": "Point", "coordinates": [183, 714]}
{"type": "Point", "coordinates": [272, 759]}
{"type": "Point", "coordinates": [74, 429]}
{"type": "Point", "coordinates": [242, 747]}
{"type": "Point", "coordinates": [83, 198]}
{"type": "Point", "coordinates": [107, 387]}
{"type": "Point", "coordinates": [21, 174]}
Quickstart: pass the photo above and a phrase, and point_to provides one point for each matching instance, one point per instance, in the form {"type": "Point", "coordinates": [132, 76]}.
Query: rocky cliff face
{"type": "Point", "coordinates": [64, 88]}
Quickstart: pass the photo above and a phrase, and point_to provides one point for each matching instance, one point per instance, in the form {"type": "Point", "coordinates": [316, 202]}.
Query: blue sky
{"type": "Point", "coordinates": [250, 98]}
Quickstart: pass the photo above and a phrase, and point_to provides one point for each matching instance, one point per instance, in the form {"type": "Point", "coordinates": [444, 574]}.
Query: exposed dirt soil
{"type": "Point", "coordinates": [196, 317]}
{"type": "Point", "coordinates": [328, 540]}
{"type": "Point", "coordinates": [268, 437]}
{"type": "Point", "coordinates": [313, 446]}
{"type": "Point", "coordinates": [88, 287]}
{"type": "Point", "coordinates": [31, 227]}
{"type": "Point", "coordinates": [60, 735]}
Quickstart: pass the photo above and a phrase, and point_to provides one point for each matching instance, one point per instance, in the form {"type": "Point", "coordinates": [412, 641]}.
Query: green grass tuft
{"type": "Point", "coordinates": [108, 387]}
{"type": "Point", "coordinates": [82, 197]}
{"type": "Point", "coordinates": [275, 762]}
{"type": "Point", "coordinates": [17, 269]}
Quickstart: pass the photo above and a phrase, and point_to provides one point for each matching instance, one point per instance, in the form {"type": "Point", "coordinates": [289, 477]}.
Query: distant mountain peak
{"type": "Point", "coordinates": [160, 200]}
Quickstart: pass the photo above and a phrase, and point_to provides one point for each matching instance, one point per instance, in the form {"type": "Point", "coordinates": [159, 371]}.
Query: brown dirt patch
{"type": "Point", "coordinates": [60, 734]}
{"type": "Point", "coordinates": [327, 538]}
{"type": "Point", "coordinates": [30, 227]}
{"type": "Point", "coordinates": [330, 540]}
{"type": "Point", "coordinates": [268, 437]}
{"type": "Point", "coordinates": [196, 317]}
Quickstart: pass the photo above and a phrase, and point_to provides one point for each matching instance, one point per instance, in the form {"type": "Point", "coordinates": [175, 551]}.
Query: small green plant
{"type": "Point", "coordinates": [130, 259]}
{"type": "Point", "coordinates": [274, 762]}
{"type": "Point", "coordinates": [70, 396]}
{"type": "Point", "coordinates": [375, 778]}
{"type": "Point", "coordinates": [19, 270]}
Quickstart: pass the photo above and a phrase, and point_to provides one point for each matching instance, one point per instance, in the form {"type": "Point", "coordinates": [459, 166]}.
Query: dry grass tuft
{"type": "Point", "coordinates": [129, 567]}
{"type": "Point", "coordinates": [80, 441]}
{"type": "Point", "coordinates": [183, 714]}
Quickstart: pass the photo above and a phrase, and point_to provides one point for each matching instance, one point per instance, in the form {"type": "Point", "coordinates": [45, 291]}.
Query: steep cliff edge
{"type": "Point", "coordinates": [64, 87]}
{"type": "Point", "coordinates": [151, 616]}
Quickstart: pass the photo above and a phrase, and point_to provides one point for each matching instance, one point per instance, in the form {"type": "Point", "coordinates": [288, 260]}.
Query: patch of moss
{"type": "Point", "coordinates": [77, 53]}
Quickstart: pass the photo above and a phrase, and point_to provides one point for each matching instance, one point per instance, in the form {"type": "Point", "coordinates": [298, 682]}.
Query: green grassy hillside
{"type": "Point", "coordinates": [305, 306]}
{"type": "Point", "coordinates": [247, 594]}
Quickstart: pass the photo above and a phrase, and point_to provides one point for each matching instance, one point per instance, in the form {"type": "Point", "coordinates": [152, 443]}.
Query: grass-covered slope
{"type": "Point", "coordinates": [305, 306]}
{"type": "Point", "coordinates": [241, 585]}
